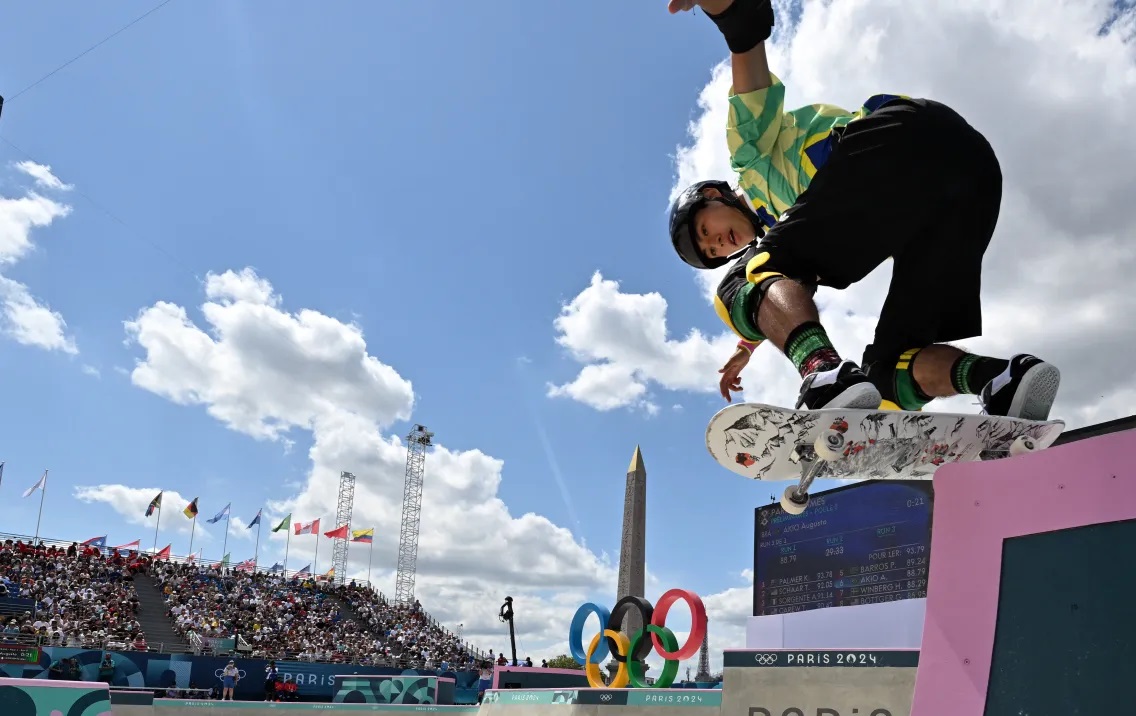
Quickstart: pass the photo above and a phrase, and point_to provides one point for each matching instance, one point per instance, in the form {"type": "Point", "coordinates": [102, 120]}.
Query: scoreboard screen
{"type": "Point", "coordinates": [860, 544]}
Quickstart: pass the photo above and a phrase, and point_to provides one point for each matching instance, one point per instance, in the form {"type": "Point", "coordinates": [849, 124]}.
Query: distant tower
{"type": "Point", "coordinates": [703, 674]}
{"type": "Point", "coordinates": [632, 549]}
{"type": "Point", "coordinates": [416, 443]}
{"type": "Point", "coordinates": [342, 517]}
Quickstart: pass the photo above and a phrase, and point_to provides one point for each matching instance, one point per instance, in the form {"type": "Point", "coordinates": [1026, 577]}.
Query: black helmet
{"type": "Point", "coordinates": [686, 205]}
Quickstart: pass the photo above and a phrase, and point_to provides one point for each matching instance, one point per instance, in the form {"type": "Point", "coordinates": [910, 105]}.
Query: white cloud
{"type": "Point", "coordinates": [91, 371]}
{"type": "Point", "coordinates": [267, 371]}
{"type": "Point", "coordinates": [622, 339]}
{"type": "Point", "coordinates": [131, 504]}
{"type": "Point", "coordinates": [30, 322]}
{"type": "Point", "coordinates": [264, 371]}
{"type": "Point", "coordinates": [1034, 80]}
{"type": "Point", "coordinates": [23, 317]}
{"type": "Point", "coordinates": [43, 176]}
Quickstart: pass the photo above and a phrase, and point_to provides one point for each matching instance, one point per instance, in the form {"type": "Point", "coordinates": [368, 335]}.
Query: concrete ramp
{"type": "Point", "coordinates": [601, 702]}
{"type": "Point", "coordinates": [819, 683]}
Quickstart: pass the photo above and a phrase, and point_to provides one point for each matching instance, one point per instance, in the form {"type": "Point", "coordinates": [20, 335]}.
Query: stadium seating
{"type": "Point", "coordinates": [67, 596]}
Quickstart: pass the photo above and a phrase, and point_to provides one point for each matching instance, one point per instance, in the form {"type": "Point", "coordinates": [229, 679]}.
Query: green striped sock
{"type": "Point", "coordinates": [971, 373]}
{"type": "Point", "coordinates": [810, 350]}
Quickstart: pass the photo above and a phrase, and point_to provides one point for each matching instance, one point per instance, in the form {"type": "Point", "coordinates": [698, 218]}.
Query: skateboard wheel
{"type": "Point", "coordinates": [829, 445]}
{"type": "Point", "coordinates": [792, 504]}
{"type": "Point", "coordinates": [1022, 445]}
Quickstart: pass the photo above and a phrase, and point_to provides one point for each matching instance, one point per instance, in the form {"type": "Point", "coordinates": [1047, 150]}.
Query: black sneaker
{"type": "Point", "coordinates": [1026, 389]}
{"type": "Point", "coordinates": [845, 386]}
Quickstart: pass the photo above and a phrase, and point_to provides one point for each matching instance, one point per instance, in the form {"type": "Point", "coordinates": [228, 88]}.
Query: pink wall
{"type": "Point", "coordinates": [497, 670]}
{"type": "Point", "coordinates": [977, 506]}
{"type": "Point", "coordinates": [41, 683]}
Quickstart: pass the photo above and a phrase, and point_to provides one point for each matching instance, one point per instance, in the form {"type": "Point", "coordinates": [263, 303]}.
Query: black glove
{"type": "Point", "coordinates": [745, 24]}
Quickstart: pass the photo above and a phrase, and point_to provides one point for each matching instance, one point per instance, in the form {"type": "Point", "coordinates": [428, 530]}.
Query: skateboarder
{"type": "Point", "coordinates": [825, 197]}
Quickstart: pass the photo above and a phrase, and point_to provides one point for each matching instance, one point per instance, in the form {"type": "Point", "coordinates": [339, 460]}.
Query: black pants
{"type": "Point", "coordinates": [912, 181]}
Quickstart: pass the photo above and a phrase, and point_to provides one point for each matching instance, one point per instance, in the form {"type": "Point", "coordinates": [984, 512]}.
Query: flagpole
{"type": "Point", "coordinates": [347, 558]}
{"type": "Point", "coordinates": [287, 543]}
{"type": "Point", "coordinates": [256, 551]}
{"type": "Point", "coordinates": [158, 522]}
{"type": "Point", "coordinates": [369, 555]}
{"type": "Point", "coordinates": [225, 546]}
{"type": "Point", "coordinates": [42, 493]}
{"type": "Point", "coordinates": [315, 561]}
{"type": "Point", "coordinates": [192, 529]}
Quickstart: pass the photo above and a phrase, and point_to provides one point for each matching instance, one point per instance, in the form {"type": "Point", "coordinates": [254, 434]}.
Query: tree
{"type": "Point", "coordinates": [564, 662]}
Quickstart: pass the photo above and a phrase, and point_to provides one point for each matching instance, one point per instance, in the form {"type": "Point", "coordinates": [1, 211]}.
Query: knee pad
{"type": "Point", "coordinates": [762, 271]}
{"type": "Point", "coordinates": [896, 382]}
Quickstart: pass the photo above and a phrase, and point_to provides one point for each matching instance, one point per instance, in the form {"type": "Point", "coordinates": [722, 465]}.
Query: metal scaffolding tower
{"type": "Point", "coordinates": [343, 517]}
{"type": "Point", "coordinates": [704, 657]}
{"type": "Point", "coordinates": [416, 443]}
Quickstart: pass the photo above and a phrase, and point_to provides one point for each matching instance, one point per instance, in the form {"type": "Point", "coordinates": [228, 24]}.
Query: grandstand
{"type": "Point", "coordinates": [66, 594]}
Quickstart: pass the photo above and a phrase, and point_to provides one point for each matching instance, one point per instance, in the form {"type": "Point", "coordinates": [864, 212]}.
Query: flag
{"type": "Point", "coordinates": [225, 561]}
{"type": "Point", "coordinates": [222, 515]}
{"type": "Point", "coordinates": [1, 472]}
{"type": "Point", "coordinates": [284, 523]}
{"type": "Point", "coordinates": [164, 554]}
{"type": "Point", "coordinates": [96, 542]}
{"type": "Point", "coordinates": [190, 510]}
{"type": "Point", "coordinates": [363, 535]}
{"type": "Point", "coordinates": [330, 574]}
{"type": "Point", "coordinates": [337, 533]}
{"type": "Point", "coordinates": [308, 528]}
{"type": "Point", "coordinates": [38, 486]}
{"type": "Point", "coordinates": [276, 568]}
{"type": "Point", "coordinates": [155, 504]}
{"type": "Point", "coordinates": [190, 558]}
{"type": "Point", "coordinates": [255, 520]}
{"type": "Point", "coordinates": [128, 546]}
{"type": "Point", "coordinates": [304, 572]}
{"type": "Point", "coordinates": [245, 566]}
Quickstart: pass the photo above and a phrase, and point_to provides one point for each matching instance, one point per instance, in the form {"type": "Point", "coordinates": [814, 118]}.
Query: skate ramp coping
{"type": "Point", "coordinates": [601, 702]}
{"type": "Point", "coordinates": [838, 682]}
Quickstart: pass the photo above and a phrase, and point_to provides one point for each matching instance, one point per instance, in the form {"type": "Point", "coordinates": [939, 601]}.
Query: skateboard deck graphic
{"type": "Point", "coordinates": [766, 442]}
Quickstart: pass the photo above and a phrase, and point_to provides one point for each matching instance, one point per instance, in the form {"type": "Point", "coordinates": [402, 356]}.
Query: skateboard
{"type": "Point", "coordinates": [766, 442]}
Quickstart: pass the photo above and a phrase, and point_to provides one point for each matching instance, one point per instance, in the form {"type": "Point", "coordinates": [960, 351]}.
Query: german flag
{"type": "Point", "coordinates": [191, 509]}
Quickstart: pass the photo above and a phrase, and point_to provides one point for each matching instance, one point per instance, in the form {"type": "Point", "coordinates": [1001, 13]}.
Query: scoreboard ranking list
{"type": "Point", "coordinates": [861, 544]}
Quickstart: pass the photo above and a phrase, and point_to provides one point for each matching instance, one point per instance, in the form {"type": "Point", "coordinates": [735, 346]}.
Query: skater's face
{"type": "Point", "coordinates": [722, 230]}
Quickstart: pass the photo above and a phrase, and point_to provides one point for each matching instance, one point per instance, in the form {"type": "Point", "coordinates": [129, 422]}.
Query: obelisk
{"type": "Point", "coordinates": [633, 549]}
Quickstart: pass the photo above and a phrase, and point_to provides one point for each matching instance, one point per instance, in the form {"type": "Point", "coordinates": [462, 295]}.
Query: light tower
{"type": "Point", "coordinates": [416, 443]}
{"type": "Point", "coordinates": [342, 517]}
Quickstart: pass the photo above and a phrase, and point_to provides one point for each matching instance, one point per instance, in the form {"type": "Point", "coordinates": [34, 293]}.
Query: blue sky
{"type": "Point", "coordinates": [445, 176]}
{"type": "Point", "coordinates": [448, 178]}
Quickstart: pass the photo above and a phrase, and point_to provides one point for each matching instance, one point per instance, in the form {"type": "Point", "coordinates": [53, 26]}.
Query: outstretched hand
{"type": "Point", "coordinates": [714, 7]}
{"type": "Point", "coordinates": [731, 373]}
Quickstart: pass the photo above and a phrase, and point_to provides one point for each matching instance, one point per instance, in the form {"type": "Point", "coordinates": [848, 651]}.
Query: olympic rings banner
{"type": "Point", "coordinates": [631, 653]}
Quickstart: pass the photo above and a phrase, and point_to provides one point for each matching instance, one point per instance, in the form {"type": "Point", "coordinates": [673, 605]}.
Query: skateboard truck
{"type": "Point", "coordinates": [796, 497]}
{"type": "Point", "coordinates": [829, 446]}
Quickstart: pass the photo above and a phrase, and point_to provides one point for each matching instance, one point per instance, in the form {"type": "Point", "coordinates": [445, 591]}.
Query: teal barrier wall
{"type": "Point", "coordinates": [30, 697]}
{"type": "Point", "coordinates": [140, 669]}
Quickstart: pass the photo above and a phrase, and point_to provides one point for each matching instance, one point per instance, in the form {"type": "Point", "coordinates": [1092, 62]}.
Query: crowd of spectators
{"type": "Point", "coordinates": [303, 619]}
{"type": "Point", "coordinates": [405, 631]}
{"type": "Point", "coordinates": [83, 596]}
{"type": "Point", "coordinates": [77, 596]}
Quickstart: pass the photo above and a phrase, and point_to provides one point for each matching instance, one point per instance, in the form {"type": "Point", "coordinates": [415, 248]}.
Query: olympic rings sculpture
{"type": "Point", "coordinates": [631, 653]}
